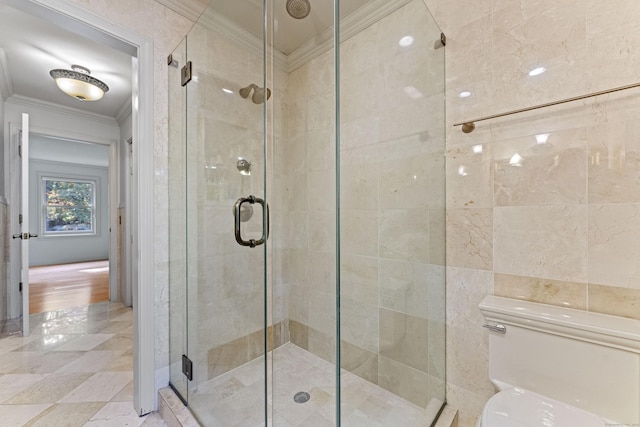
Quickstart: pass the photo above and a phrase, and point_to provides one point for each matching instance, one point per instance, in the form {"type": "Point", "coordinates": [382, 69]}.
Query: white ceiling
{"type": "Point", "coordinates": [32, 47]}
{"type": "Point", "coordinates": [288, 33]}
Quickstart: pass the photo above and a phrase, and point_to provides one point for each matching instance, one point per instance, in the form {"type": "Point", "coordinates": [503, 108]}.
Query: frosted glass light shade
{"type": "Point", "coordinates": [78, 84]}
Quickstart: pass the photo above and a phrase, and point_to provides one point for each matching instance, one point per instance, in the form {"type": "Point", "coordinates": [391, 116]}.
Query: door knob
{"type": "Point", "coordinates": [24, 236]}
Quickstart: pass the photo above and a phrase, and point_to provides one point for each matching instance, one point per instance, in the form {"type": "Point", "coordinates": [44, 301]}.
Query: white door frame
{"type": "Point", "coordinates": [104, 31]}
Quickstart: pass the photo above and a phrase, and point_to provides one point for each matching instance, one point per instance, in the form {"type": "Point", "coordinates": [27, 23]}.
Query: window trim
{"type": "Point", "coordinates": [94, 181]}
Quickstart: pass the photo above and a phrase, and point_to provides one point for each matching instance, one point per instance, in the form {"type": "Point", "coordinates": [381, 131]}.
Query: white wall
{"type": "Point", "coordinates": [4, 238]}
{"type": "Point", "coordinates": [125, 283]}
{"type": "Point", "coordinates": [47, 250]}
{"type": "Point", "coordinates": [2, 138]}
{"type": "Point", "coordinates": [53, 120]}
{"type": "Point", "coordinates": [126, 130]}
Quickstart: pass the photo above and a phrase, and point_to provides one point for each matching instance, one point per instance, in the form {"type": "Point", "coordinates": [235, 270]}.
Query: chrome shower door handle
{"type": "Point", "coordinates": [252, 243]}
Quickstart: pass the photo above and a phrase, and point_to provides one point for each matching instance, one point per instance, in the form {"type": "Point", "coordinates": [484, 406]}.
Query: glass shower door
{"type": "Point", "coordinates": [226, 223]}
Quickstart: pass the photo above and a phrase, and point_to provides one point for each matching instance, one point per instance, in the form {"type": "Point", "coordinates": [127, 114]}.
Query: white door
{"type": "Point", "coordinates": [24, 235]}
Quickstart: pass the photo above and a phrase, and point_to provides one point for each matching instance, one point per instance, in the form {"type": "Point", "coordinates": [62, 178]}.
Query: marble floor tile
{"type": "Point", "coordinates": [50, 389]}
{"type": "Point", "coordinates": [126, 316]}
{"type": "Point", "coordinates": [75, 369]}
{"type": "Point", "coordinates": [121, 362]}
{"type": "Point", "coordinates": [11, 361]}
{"type": "Point", "coordinates": [118, 342]}
{"type": "Point", "coordinates": [66, 415]}
{"type": "Point", "coordinates": [125, 395]}
{"type": "Point", "coordinates": [37, 362]}
{"type": "Point", "coordinates": [154, 420]}
{"type": "Point", "coordinates": [90, 362]}
{"type": "Point", "coordinates": [237, 397]}
{"type": "Point", "coordinates": [85, 342]}
{"type": "Point", "coordinates": [47, 342]}
{"type": "Point", "coordinates": [18, 415]}
{"type": "Point", "coordinates": [100, 387]}
{"type": "Point", "coordinates": [115, 414]}
{"type": "Point", "coordinates": [114, 327]}
{"type": "Point", "coordinates": [12, 384]}
{"type": "Point", "coordinates": [13, 342]}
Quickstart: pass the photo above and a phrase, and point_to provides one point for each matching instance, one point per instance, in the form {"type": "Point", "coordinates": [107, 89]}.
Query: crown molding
{"type": "Point", "coordinates": [189, 9]}
{"type": "Point", "coordinates": [59, 109]}
{"type": "Point", "coordinates": [349, 26]}
{"type": "Point", "coordinates": [6, 83]}
{"type": "Point", "coordinates": [241, 36]}
{"type": "Point", "coordinates": [124, 112]}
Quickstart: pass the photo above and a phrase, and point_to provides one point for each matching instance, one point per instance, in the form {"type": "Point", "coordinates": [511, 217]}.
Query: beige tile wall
{"type": "Point", "coordinates": [563, 227]}
{"type": "Point", "coordinates": [392, 206]}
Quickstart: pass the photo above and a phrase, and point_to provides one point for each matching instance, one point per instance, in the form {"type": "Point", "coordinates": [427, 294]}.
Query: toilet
{"type": "Point", "coordinates": [560, 367]}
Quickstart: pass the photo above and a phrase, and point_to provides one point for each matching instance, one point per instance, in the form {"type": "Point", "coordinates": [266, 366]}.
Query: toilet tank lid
{"type": "Point", "coordinates": [587, 326]}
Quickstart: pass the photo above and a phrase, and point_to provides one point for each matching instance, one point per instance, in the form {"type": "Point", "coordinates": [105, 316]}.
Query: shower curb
{"type": "Point", "coordinates": [175, 414]}
{"type": "Point", "coordinates": [448, 417]}
{"type": "Point", "coordinates": [173, 411]}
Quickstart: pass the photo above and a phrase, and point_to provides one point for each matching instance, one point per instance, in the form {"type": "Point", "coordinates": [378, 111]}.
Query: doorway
{"type": "Point", "coordinates": [69, 263]}
{"type": "Point", "coordinates": [140, 49]}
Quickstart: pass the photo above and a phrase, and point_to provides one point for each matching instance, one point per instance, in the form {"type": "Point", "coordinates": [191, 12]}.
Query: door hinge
{"type": "Point", "coordinates": [19, 218]}
{"type": "Point", "coordinates": [186, 73]}
{"type": "Point", "coordinates": [20, 286]}
{"type": "Point", "coordinates": [187, 367]}
{"type": "Point", "coordinates": [20, 150]}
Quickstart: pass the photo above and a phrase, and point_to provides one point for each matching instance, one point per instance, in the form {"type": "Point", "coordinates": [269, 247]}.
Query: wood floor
{"type": "Point", "coordinates": [54, 287]}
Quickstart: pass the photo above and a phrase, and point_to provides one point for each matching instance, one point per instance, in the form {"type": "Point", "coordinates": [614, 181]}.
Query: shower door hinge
{"type": "Point", "coordinates": [187, 367]}
{"type": "Point", "coordinates": [172, 62]}
{"type": "Point", "coordinates": [186, 73]}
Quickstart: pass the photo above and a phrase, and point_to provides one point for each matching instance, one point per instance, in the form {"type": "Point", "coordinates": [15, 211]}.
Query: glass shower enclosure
{"type": "Point", "coordinates": [306, 214]}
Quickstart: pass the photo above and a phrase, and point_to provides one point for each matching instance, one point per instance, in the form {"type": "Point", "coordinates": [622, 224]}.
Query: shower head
{"type": "Point", "coordinates": [258, 93]}
{"type": "Point", "coordinates": [245, 91]}
{"type": "Point", "coordinates": [298, 9]}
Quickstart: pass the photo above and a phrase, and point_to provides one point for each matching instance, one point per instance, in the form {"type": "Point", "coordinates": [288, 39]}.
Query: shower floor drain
{"type": "Point", "coordinates": [301, 397]}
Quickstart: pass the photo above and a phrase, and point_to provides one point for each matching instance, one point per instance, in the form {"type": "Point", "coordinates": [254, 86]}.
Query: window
{"type": "Point", "coordinates": [69, 206]}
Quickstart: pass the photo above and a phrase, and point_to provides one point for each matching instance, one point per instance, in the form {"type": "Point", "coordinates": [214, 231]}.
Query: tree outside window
{"type": "Point", "coordinates": [69, 206]}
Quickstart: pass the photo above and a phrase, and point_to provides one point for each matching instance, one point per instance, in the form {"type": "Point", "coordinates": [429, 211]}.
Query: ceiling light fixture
{"type": "Point", "coordinates": [78, 83]}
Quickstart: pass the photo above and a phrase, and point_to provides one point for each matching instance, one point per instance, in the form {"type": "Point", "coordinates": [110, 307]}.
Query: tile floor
{"type": "Point", "coordinates": [235, 398]}
{"type": "Point", "coordinates": [75, 369]}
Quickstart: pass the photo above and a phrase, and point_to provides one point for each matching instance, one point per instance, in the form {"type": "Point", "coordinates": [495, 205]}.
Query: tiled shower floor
{"type": "Point", "coordinates": [236, 398]}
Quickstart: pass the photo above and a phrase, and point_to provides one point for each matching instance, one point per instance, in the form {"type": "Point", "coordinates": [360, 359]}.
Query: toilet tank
{"type": "Point", "coordinates": [588, 360]}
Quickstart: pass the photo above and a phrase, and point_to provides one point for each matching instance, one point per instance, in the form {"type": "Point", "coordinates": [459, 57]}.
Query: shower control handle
{"type": "Point", "coordinates": [252, 243]}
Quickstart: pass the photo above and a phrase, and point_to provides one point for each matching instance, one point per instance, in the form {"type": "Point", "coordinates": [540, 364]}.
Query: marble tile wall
{"type": "Point", "coordinates": [226, 292]}
{"type": "Point", "coordinates": [392, 206]}
{"type": "Point", "coordinates": [558, 223]}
